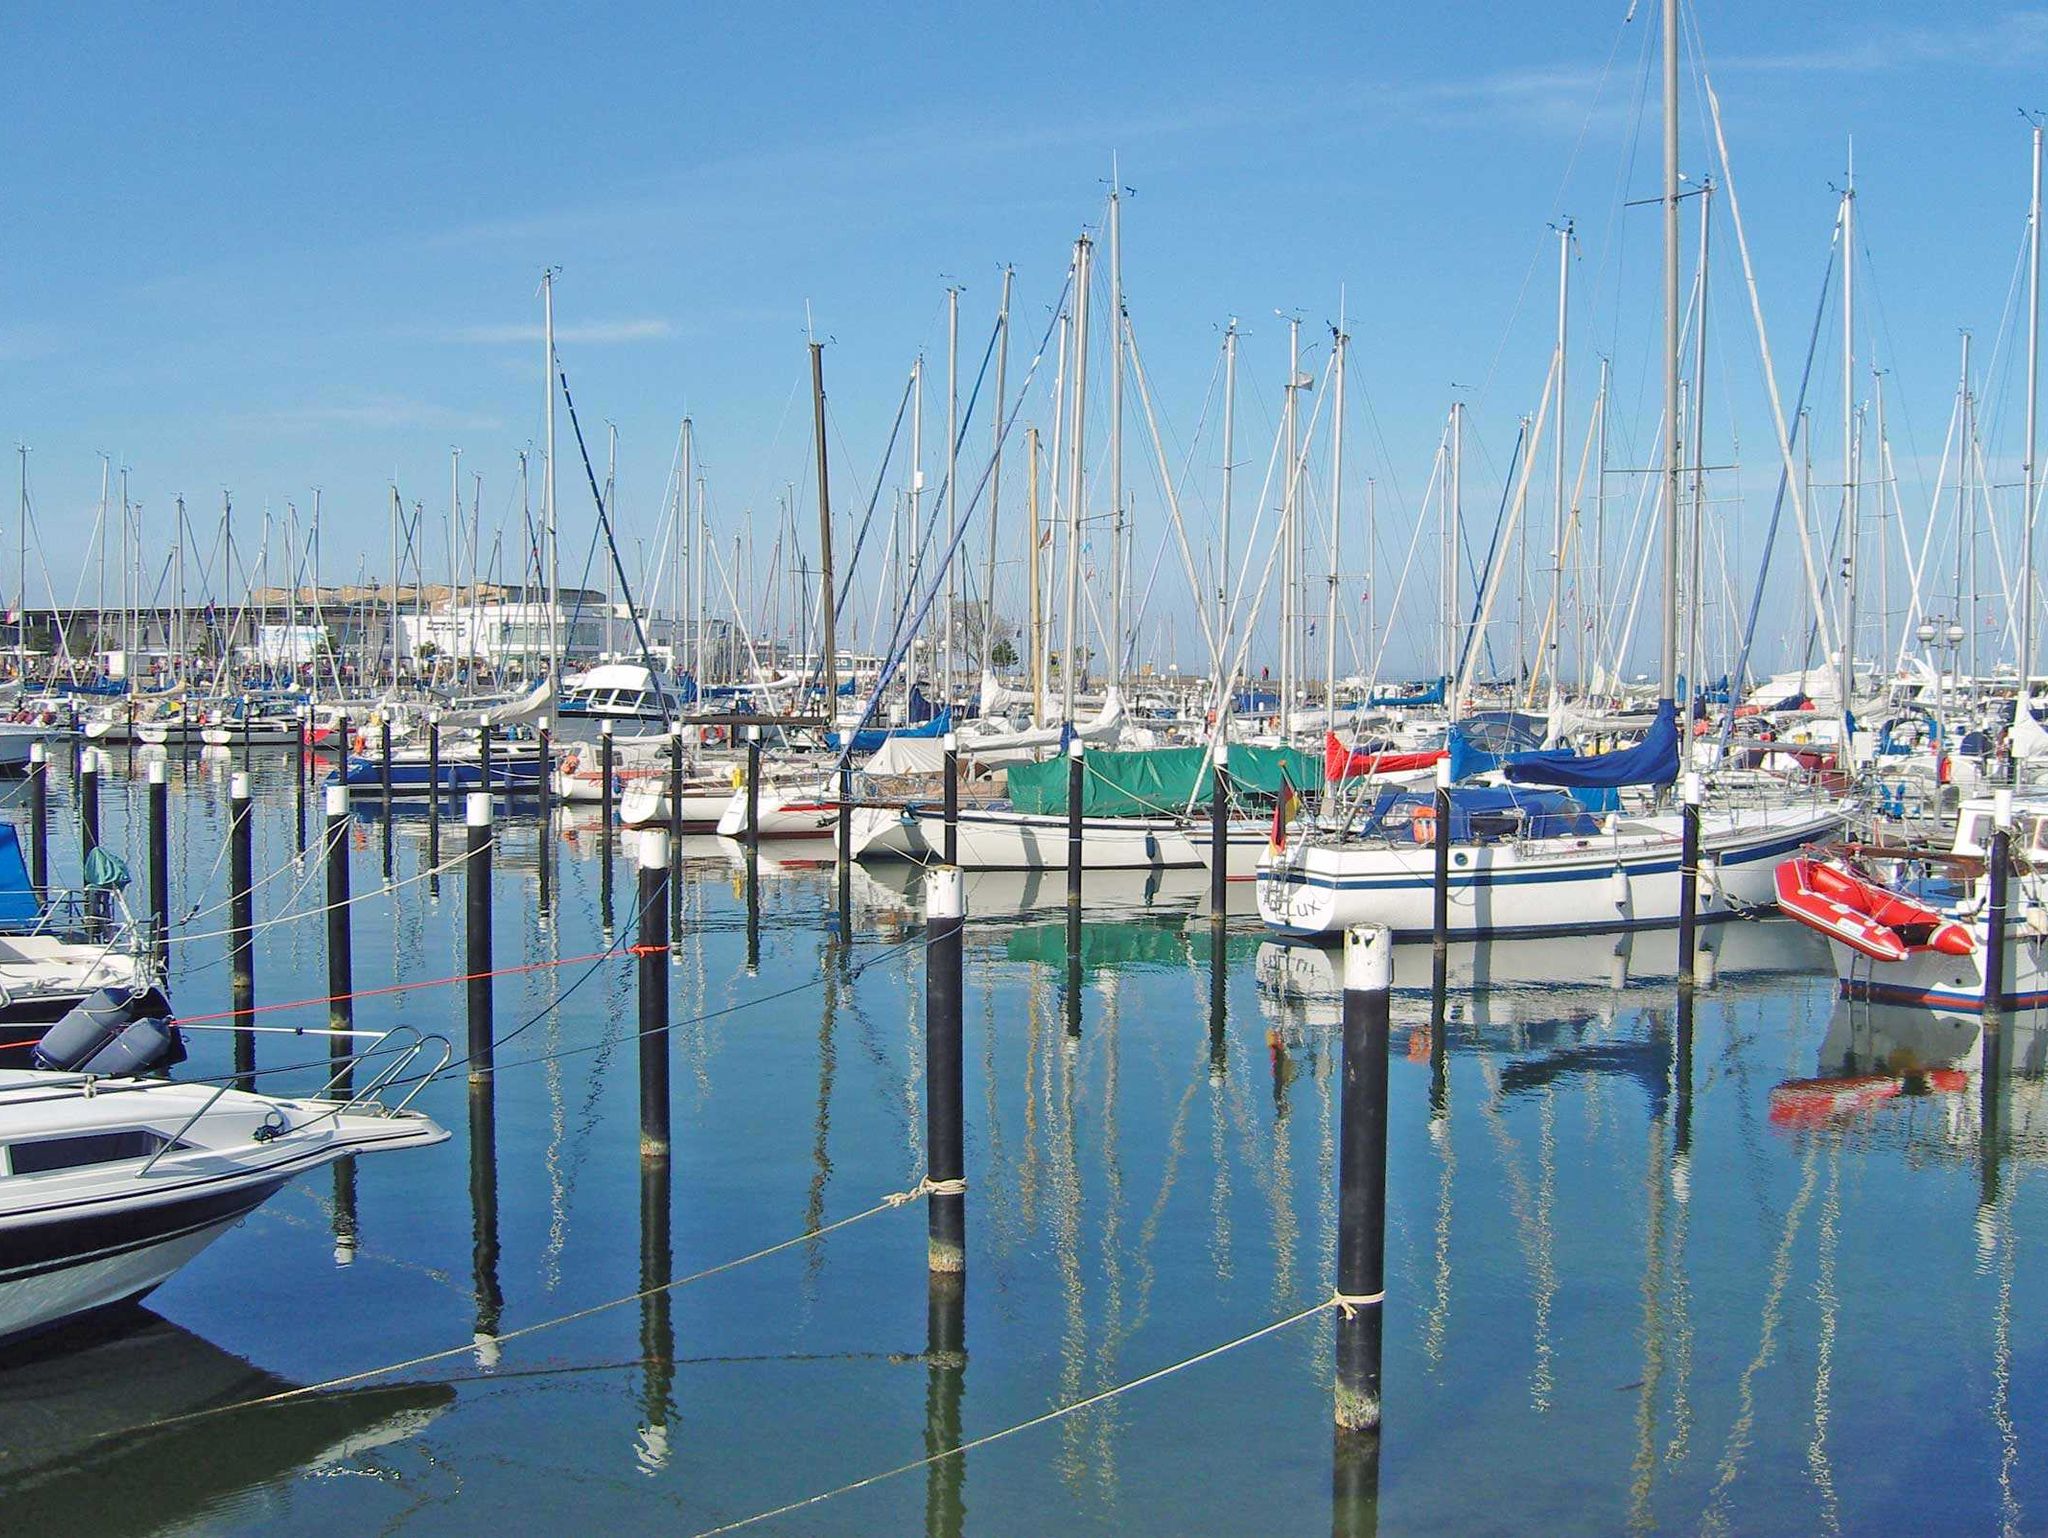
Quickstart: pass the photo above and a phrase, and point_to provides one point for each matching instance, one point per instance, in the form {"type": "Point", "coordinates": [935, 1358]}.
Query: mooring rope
{"type": "Point", "coordinates": [1058, 1412]}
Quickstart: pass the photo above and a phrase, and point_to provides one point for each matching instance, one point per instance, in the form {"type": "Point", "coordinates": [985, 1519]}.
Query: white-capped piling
{"type": "Point", "coordinates": [945, 913]}
{"type": "Point", "coordinates": [1362, 1174]}
{"type": "Point", "coordinates": [476, 877]}
{"type": "Point", "coordinates": [652, 953]}
{"type": "Point", "coordinates": [242, 922]}
{"type": "Point", "coordinates": [159, 857]}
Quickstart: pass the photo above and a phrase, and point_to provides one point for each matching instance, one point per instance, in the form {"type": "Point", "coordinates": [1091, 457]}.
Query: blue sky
{"type": "Point", "coordinates": [269, 249]}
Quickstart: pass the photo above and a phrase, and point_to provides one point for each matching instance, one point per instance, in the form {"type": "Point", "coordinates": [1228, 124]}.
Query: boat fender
{"type": "Point", "coordinates": [84, 1030]}
{"type": "Point", "coordinates": [145, 1046]}
{"type": "Point", "coordinates": [1617, 889]}
{"type": "Point", "coordinates": [2036, 922]}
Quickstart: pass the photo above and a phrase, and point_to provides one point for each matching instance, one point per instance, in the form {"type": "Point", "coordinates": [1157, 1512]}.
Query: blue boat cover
{"type": "Point", "coordinates": [1413, 694]}
{"type": "Point", "coordinates": [18, 903]}
{"type": "Point", "coordinates": [1542, 813]}
{"type": "Point", "coordinates": [1491, 738]}
{"type": "Point", "coordinates": [1653, 761]}
{"type": "Point", "coordinates": [870, 739]}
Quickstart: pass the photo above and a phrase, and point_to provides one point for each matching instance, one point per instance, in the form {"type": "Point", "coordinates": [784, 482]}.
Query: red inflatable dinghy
{"type": "Point", "coordinates": [1864, 915]}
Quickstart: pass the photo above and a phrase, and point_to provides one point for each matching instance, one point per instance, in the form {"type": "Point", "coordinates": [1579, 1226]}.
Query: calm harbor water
{"type": "Point", "coordinates": [1641, 1277]}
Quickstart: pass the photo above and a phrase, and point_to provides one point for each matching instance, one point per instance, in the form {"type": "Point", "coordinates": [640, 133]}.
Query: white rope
{"type": "Point", "coordinates": [1056, 1413]}
{"type": "Point", "coordinates": [453, 862]}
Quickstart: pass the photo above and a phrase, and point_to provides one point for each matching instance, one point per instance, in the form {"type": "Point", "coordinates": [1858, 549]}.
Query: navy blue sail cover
{"type": "Point", "coordinates": [1653, 761]}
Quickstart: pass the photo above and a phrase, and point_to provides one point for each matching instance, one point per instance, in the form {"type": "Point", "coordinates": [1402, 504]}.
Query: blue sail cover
{"type": "Point", "coordinates": [1653, 761]}
{"type": "Point", "coordinates": [18, 903]}
{"type": "Point", "coordinates": [1413, 694]}
{"type": "Point", "coordinates": [870, 739]}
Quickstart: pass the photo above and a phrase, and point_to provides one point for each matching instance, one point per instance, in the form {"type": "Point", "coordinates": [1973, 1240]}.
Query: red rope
{"type": "Point", "coordinates": [371, 993]}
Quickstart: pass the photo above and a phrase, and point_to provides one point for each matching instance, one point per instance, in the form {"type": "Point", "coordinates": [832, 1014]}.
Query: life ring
{"type": "Point", "coordinates": [1423, 825]}
{"type": "Point", "coordinates": [569, 765]}
{"type": "Point", "coordinates": [717, 736]}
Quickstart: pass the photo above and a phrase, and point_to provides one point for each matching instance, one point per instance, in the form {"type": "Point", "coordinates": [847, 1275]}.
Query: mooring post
{"type": "Point", "coordinates": [89, 834]}
{"type": "Point", "coordinates": [341, 1007]}
{"type": "Point", "coordinates": [39, 819]}
{"type": "Point", "coordinates": [605, 795]}
{"type": "Point", "coordinates": [945, 912]}
{"type": "Point", "coordinates": [1219, 841]}
{"type": "Point", "coordinates": [384, 747]}
{"type": "Point", "coordinates": [434, 793]}
{"type": "Point", "coordinates": [652, 952]}
{"type": "Point", "coordinates": [242, 923]}
{"type": "Point", "coordinates": [547, 776]}
{"type": "Point", "coordinates": [846, 848]}
{"type": "Point", "coordinates": [753, 787]}
{"type": "Point", "coordinates": [476, 876]}
{"type": "Point", "coordinates": [159, 858]}
{"type": "Point", "coordinates": [1690, 790]}
{"type": "Point", "coordinates": [485, 1285]}
{"type": "Point", "coordinates": [1440, 897]}
{"type": "Point", "coordinates": [1999, 874]}
{"type": "Point", "coordinates": [675, 835]}
{"type": "Point", "coordinates": [1362, 1174]}
{"type": "Point", "coordinates": [657, 1309]}
{"type": "Point", "coordinates": [1074, 784]}
{"type": "Point", "coordinates": [1219, 1006]}
{"type": "Point", "coordinates": [299, 778]}
{"type": "Point", "coordinates": [951, 851]}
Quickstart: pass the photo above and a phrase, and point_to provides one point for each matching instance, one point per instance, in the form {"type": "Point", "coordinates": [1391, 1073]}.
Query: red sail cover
{"type": "Point", "coordinates": [1342, 763]}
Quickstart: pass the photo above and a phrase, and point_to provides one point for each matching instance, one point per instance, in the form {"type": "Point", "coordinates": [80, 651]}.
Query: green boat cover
{"type": "Point", "coordinates": [1159, 782]}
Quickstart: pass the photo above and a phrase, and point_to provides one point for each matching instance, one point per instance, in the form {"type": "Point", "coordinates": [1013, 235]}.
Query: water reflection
{"type": "Point", "coordinates": [93, 1437]}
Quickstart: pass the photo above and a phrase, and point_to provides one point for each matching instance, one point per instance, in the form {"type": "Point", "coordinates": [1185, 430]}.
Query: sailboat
{"type": "Point", "coordinates": [1535, 858]}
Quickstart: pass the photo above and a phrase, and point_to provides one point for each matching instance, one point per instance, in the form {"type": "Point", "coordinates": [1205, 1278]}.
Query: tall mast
{"type": "Point", "coordinates": [552, 550]}
{"type": "Point", "coordinates": [1674, 452]}
{"type": "Point", "coordinates": [2030, 474]}
{"type": "Point", "coordinates": [1454, 517]}
{"type": "Point", "coordinates": [1289, 554]}
{"type": "Point", "coordinates": [1558, 510]}
{"type": "Point", "coordinates": [914, 544]}
{"type": "Point", "coordinates": [995, 478]}
{"type": "Point", "coordinates": [1036, 638]}
{"type": "Point", "coordinates": [1116, 432]}
{"type": "Point", "coordinates": [1342, 344]}
{"type": "Point", "coordinates": [454, 632]}
{"type": "Point", "coordinates": [679, 634]}
{"type": "Point", "coordinates": [178, 669]}
{"type": "Point", "coordinates": [1077, 466]}
{"type": "Point", "coordinates": [828, 634]}
{"type": "Point", "coordinates": [1223, 566]}
{"type": "Point", "coordinates": [1965, 605]}
{"type": "Point", "coordinates": [952, 480]}
{"type": "Point", "coordinates": [1055, 468]}
{"type": "Point", "coordinates": [392, 639]}
{"type": "Point", "coordinates": [1599, 529]}
{"type": "Point", "coordinates": [1850, 531]}
{"type": "Point", "coordinates": [1698, 424]}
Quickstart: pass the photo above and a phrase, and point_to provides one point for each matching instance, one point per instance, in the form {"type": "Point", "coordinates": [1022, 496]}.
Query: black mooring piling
{"type": "Point", "coordinates": [607, 848]}
{"type": "Point", "coordinates": [242, 925]}
{"type": "Point", "coordinates": [547, 825]}
{"type": "Point", "coordinates": [675, 836]}
{"type": "Point", "coordinates": [384, 779]}
{"type": "Point", "coordinates": [845, 842]}
{"type": "Point", "coordinates": [434, 794]}
{"type": "Point", "coordinates": [299, 720]}
{"type": "Point", "coordinates": [1998, 902]}
{"type": "Point", "coordinates": [1219, 841]}
{"type": "Point", "coordinates": [652, 952]}
{"type": "Point", "coordinates": [547, 776]}
{"type": "Point", "coordinates": [159, 858]}
{"type": "Point", "coordinates": [951, 851]}
{"type": "Point", "coordinates": [476, 879]}
{"type": "Point", "coordinates": [945, 912]}
{"type": "Point", "coordinates": [484, 734]}
{"type": "Point", "coordinates": [341, 1008]}
{"type": "Point", "coordinates": [1075, 773]}
{"type": "Point", "coordinates": [1440, 891]}
{"type": "Point", "coordinates": [88, 804]}
{"type": "Point", "coordinates": [39, 819]}
{"type": "Point", "coordinates": [753, 787]}
{"type": "Point", "coordinates": [1688, 878]}
{"type": "Point", "coordinates": [1362, 1174]}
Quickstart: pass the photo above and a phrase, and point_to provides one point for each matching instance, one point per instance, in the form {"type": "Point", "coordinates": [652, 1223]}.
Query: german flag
{"type": "Point", "coordinates": [1285, 809]}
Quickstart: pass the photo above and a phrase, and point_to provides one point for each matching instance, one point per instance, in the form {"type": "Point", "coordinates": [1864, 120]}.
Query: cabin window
{"type": "Point", "coordinates": [44, 1156]}
{"type": "Point", "coordinates": [1970, 833]}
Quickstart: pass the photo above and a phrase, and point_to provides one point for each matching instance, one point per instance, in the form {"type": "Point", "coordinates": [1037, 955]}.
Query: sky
{"type": "Point", "coordinates": [267, 249]}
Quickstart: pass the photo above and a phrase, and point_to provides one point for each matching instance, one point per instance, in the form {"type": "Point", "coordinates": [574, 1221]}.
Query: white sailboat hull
{"type": "Point", "coordinates": [995, 840]}
{"type": "Point", "coordinates": [1608, 882]}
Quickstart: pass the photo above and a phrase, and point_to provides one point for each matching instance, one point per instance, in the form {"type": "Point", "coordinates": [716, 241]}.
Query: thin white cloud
{"type": "Point", "coordinates": [2013, 40]}
{"type": "Point", "coordinates": [645, 329]}
{"type": "Point", "coordinates": [379, 412]}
